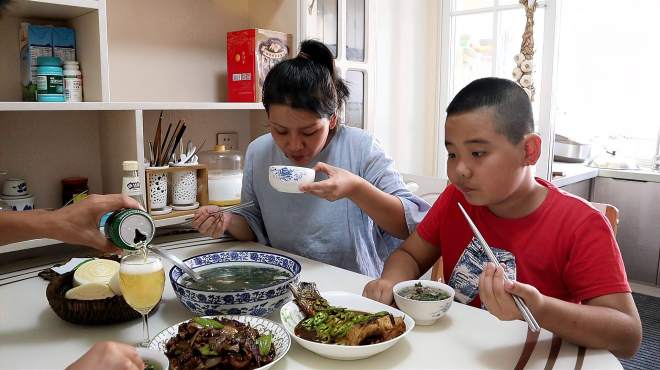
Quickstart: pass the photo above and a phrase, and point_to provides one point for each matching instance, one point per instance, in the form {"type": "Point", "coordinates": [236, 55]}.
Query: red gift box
{"type": "Point", "coordinates": [251, 54]}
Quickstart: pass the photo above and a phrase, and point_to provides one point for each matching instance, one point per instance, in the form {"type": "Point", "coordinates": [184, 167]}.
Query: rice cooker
{"type": "Point", "coordinates": [225, 175]}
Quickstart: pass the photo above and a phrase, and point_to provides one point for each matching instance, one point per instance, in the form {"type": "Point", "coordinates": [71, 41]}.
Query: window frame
{"type": "Point", "coordinates": [307, 9]}
{"type": "Point", "coordinates": [546, 79]}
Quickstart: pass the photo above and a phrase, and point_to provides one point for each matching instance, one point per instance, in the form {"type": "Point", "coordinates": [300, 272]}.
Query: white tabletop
{"type": "Point", "coordinates": [33, 337]}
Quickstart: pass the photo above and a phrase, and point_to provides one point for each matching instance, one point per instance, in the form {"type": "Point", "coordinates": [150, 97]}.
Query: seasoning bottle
{"type": "Point", "coordinates": [74, 189]}
{"type": "Point", "coordinates": [50, 84]}
{"type": "Point", "coordinates": [72, 82]}
{"type": "Point", "coordinates": [131, 182]}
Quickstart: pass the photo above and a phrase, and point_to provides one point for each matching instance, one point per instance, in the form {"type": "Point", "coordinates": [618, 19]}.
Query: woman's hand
{"type": "Point", "coordinates": [109, 356]}
{"type": "Point", "coordinates": [210, 223]}
{"type": "Point", "coordinates": [340, 183]}
{"type": "Point", "coordinates": [496, 294]}
{"type": "Point", "coordinates": [78, 223]}
{"type": "Point", "coordinates": [379, 290]}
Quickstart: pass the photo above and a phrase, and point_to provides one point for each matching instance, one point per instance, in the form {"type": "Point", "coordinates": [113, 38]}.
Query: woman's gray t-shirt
{"type": "Point", "coordinates": [337, 233]}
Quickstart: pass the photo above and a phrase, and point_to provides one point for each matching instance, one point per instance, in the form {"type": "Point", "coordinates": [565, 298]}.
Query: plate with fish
{"type": "Point", "coordinates": [342, 325]}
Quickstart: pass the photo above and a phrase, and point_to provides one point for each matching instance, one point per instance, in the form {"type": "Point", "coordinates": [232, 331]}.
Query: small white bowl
{"type": "Point", "coordinates": [156, 358]}
{"type": "Point", "coordinates": [287, 179]}
{"type": "Point", "coordinates": [423, 312]}
{"type": "Point", "coordinates": [14, 187]}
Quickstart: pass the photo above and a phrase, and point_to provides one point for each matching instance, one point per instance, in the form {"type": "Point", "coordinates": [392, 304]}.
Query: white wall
{"type": "Point", "coordinates": [406, 68]}
{"type": "Point", "coordinates": [170, 50]}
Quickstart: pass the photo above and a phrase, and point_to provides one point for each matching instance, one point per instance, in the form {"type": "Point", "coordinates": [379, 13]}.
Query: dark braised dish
{"type": "Point", "coordinates": [337, 325]}
{"type": "Point", "coordinates": [204, 343]}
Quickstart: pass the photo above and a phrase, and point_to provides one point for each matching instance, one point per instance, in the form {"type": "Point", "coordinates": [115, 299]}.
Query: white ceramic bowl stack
{"type": "Point", "coordinates": [16, 195]}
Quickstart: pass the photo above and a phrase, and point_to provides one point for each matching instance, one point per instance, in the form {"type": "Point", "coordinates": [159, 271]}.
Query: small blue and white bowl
{"type": "Point", "coordinates": [257, 302]}
{"type": "Point", "coordinates": [287, 179]}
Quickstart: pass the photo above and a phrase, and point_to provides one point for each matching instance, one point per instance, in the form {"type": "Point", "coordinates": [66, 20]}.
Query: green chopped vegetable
{"type": "Point", "coordinates": [264, 342]}
{"type": "Point", "coordinates": [205, 350]}
{"type": "Point", "coordinates": [419, 292]}
{"type": "Point", "coordinates": [208, 323]}
{"type": "Point", "coordinates": [336, 322]}
{"type": "Point", "coordinates": [150, 366]}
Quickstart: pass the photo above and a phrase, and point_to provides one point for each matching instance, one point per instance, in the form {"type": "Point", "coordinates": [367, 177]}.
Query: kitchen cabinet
{"type": "Point", "coordinates": [581, 188]}
{"type": "Point", "coordinates": [638, 234]}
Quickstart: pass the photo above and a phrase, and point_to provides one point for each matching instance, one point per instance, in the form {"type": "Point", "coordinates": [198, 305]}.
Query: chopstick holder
{"type": "Point", "coordinates": [522, 307]}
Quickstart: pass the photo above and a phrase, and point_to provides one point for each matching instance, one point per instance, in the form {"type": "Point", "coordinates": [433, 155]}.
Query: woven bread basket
{"type": "Point", "coordinates": [92, 312]}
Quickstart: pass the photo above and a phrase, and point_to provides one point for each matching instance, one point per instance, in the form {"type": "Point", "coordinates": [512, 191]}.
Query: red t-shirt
{"type": "Point", "coordinates": [565, 248]}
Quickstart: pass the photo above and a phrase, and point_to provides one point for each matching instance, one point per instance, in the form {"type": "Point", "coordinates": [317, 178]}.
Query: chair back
{"type": "Point", "coordinates": [610, 212]}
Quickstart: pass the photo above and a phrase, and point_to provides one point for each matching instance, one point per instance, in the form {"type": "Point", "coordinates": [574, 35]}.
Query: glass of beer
{"type": "Point", "coordinates": [142, 279]}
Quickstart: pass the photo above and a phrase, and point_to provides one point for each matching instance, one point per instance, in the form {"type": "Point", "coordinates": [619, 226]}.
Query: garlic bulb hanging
{"type": "Point", "coordinates": [527, 66]}
{"type": "Point", "coordinates": [519, 58]}
{"type": "Point", "coordinates": [526, 81]}
{"type": "Point", "coordinates": [517, 73]}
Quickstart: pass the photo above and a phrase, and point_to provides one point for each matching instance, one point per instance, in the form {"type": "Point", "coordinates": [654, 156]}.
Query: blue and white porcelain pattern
{"type": "Point", "coordinates": [258, 302]}
{"type": "Point", "coordinates": [281, 339]}
{"type": "Point", "coordinates": [286, 174]}
{"type": "Point", "coordinates": [287, 179]}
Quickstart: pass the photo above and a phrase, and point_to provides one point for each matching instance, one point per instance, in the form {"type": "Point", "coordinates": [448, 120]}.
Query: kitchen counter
{"type": "Point", "coordinates": [572, 173]}
{"type": "Point", "coordinates": [576, 172]}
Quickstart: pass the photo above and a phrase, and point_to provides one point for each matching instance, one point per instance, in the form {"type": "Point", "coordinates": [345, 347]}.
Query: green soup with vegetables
{"type": "Point", "coordinates": [423, 293]}
{"type": "Point", "coordinates": [236, 278]}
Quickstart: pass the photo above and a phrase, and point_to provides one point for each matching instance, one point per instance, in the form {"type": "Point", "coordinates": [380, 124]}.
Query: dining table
{"type": "Point", "coordinates": [32, 336]}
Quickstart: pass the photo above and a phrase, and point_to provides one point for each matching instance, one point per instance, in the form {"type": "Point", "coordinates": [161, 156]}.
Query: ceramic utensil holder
{"type": "Point", "coordinates": [156, 188]}
{"type": "Point", "coordinates": [181, 175]}
{"type": "Point", "coordinates": [184, 187]}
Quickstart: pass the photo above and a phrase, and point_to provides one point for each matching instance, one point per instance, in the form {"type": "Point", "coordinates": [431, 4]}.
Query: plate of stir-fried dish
{"type": "Point", "coordinates": [223, 342]}
{"type": "Point", "coordinates": [341, 325]}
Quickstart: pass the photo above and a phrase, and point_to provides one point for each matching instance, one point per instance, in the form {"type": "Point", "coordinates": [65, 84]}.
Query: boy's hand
{"type": "Point", "coordinates": [495, 293]}
{"type": "Point", "coordinates": [379, 290]}
{"type": "Point", "coordinates": [340, 183]}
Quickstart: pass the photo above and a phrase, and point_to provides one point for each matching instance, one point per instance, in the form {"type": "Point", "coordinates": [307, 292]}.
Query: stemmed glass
{"type": "Point", "coordinates": [142, 279]}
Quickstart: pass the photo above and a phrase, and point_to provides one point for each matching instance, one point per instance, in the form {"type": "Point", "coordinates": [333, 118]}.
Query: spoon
{"type": "Point", "coordinates": [176, 261]}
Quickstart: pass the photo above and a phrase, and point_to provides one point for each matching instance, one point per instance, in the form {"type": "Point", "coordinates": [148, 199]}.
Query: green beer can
{"type": "Point", "coordinates": [129, 227]}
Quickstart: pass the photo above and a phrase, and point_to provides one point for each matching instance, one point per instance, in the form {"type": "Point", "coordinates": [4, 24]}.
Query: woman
{"type": "Point", "coordinates": [356, 212]}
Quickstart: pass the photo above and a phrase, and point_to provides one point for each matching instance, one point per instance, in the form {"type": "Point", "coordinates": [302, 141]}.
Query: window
{"type": "Point", "coordinates": [485, 35]}
{"type": "Point", "coordinates": [342, 25]}
{"type": "Point", "coordinates": [606, 85]}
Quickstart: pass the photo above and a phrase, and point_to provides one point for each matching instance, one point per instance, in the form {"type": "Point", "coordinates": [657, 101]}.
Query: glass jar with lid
{"type": "Point", "coordinates": [225, 175]}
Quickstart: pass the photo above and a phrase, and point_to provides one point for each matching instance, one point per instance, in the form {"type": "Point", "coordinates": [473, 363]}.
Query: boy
{"type": "Point", "coordinates": [560, 250]}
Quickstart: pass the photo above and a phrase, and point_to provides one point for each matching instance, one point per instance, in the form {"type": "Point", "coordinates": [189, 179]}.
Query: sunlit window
{"type": "Point", "coordinates": [485, 36]}
{"type": "Point", "coordinates": [607, 79]}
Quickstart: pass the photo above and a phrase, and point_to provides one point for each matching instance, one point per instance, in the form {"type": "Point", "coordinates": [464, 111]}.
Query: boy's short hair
{"type": "Point", "coordinates": [511, 106]}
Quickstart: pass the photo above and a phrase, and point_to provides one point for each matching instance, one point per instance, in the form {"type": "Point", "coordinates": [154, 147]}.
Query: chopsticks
{"type": "Point", "coordinates": [522, 307]}
{"type": "Point", "coordinates": [165, 148]}
{"type": "Point", "coordinates": [223, 210]}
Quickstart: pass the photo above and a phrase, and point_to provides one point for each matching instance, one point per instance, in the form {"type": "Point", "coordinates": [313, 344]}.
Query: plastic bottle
{"type": "Point", "coordinates": [49, 79]}
{"type": "Point", "coordinates": [73, 91]}
{"type": "Point", "coordinates": [131, 182]}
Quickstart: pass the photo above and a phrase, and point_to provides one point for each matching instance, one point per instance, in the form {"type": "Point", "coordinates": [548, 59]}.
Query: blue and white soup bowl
{"type": "Point", "coordinates": [287, 179]}
{"type": "Point", "coordinates": [257, 302]}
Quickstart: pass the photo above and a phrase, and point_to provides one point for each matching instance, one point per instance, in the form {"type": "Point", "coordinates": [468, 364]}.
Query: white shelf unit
{"type": "Point", "coordinates": [86, 17]}
{"type": "Point", "coordinates": [137, 58]}
{"type": "Point", "coordinates": [100, 106]}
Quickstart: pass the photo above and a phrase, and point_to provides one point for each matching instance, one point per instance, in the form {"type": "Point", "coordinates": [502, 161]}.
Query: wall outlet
{"type": "Point", "coordinates": [228, 139]}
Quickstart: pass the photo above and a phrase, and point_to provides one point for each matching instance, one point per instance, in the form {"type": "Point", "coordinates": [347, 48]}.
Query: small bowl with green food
{"type": "Point", "coordinates": [153, 360]}
{"type": "Point", "coordinates": [424, 300]}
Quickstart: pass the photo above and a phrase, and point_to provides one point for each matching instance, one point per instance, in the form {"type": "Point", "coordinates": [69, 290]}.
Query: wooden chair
{"type": "Point", "coordinates": [610, 212]}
